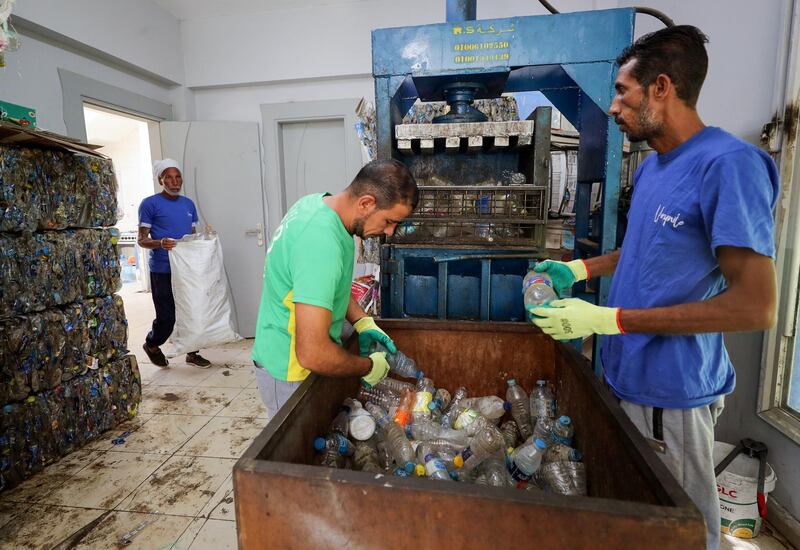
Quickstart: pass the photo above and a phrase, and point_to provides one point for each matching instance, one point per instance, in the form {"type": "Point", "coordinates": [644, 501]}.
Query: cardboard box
{"type": "Point", "coordinates": [18, 114]}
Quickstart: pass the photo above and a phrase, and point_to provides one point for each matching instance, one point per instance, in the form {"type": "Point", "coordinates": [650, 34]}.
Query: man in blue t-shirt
{"type": "Point", "coordinates": [163, 218]}
{"type": "Point", "coordinates": [697, 261]}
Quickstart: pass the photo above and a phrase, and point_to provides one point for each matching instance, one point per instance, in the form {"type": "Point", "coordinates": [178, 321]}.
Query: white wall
{"type": "Point", "coordinates": [138, 32]}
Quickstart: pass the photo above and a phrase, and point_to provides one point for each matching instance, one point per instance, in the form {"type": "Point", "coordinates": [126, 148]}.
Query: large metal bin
{"type": "Point", "coordinates": [283, 501]}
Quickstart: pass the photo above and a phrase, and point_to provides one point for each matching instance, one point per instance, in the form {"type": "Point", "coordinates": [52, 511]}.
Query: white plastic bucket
{"type": "Point", "coordinates": [737, 486]}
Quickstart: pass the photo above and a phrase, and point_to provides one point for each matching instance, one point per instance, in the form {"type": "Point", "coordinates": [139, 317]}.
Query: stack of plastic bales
{"type": "Point", "coordinates": [64, 374]}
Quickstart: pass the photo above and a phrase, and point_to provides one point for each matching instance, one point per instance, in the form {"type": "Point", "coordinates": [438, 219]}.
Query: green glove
{"type": "Point", "coordinates": [564, 274]}
{"type": "Point", "coordinates": [573, 318]}
{"type": "Point", "coordinates": [369, 332]}
{"type": "Point", "coordinates": [380, 368]}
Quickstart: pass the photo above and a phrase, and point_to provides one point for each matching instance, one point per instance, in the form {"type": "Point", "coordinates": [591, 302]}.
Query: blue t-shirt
{"type": "Point", "coordinates": [713, 190]}
{"type": "Point", "coordinates": [166, 218]}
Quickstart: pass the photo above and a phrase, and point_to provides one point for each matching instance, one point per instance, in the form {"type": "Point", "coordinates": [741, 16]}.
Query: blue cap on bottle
{"type": "Point", "coordinates": [507, 406]}
{"type": "Point", "coordinates": [565, 420]}
{"type": "Point", "coordinates": [433, 405]}
{"type": "Point", "coordinates": [319, 443]}
{"type": "Point", "coordinates": [511, 382]}
{"type": "Point", "coordinates": [409, 467]}
{"type": "Point", "coordinates": [575, 455]}
{"type": "Point", "coordinates": [540, 444]}
{"type": "Point", "coordinates": [420, 375]}
{"type": "Point", "coordinates": [541, 382]}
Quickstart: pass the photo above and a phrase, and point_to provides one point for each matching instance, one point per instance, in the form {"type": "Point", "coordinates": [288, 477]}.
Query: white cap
{"type": "Point", "coordinates": [160, 166]}
{"type": "Point", "coordinates": [362, 425]}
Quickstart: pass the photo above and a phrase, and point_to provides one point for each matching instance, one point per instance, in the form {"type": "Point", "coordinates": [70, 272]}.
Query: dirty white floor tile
{"type": "Point", "coordinates": [221, 505]}
{"type": "Point", "coordinates": [51, 478]}
{"type": "Point", "coordinates": [11, 511]}
{"type": "Point", "coordinates": [211, 534]}
{"type": "Point", "coordinates": [147, 370]}
{"type": "Point", "coordinates": [181, 374]}
{"type": "Point", "coordinates": [45, 526]}
{"type": "Point", "coordinates": [237, 376]}
{"type": "Point", "coordinates": [163, 434]}
{"type": "Point", "coordinates": [106, 481]}
{"type": "Point", "coordinates": [766, 540]}
{"type": "Point", "coordinates": [105, 442]}
{"type": "Point", "coordinates": [164, 400]}
{"type": "Point", "coordinates": [223, 437]}
{"type": "Point", "coordinates": [182, 486]}
{"type": "Point", "coordinates": [247, 404]}
{"type": "Point", "coordinates": [158, 531]}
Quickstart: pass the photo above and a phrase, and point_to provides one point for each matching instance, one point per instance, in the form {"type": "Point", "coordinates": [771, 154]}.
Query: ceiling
{"type": "Point", "coordinates": [201, 9]}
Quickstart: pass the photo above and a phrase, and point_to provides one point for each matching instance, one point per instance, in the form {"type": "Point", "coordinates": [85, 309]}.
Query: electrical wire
{"type": "Point", "coordinates": [661, 16]}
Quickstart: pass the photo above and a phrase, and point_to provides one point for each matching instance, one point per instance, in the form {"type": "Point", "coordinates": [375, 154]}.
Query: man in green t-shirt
{"type": "Point", "coordinates": [307, 278]}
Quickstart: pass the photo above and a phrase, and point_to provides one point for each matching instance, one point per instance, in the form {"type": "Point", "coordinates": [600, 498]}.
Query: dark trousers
{"type": "Point", "coordinates": [161, 289]}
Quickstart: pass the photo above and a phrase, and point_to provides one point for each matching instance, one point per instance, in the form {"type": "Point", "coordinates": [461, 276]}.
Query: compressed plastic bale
{"type": "Point", "coordinates": [51, 424]}
{"type": "Point", "coordinates": [54, 268]}
{"type": "Point", "coordinates": [55, 189]}
{"type": "Point", "coordinates": [41, 350]}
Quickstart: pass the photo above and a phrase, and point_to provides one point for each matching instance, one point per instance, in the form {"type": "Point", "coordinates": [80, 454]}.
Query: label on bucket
{"type": "Point", "coordinates": [738, 506]}
{"type": "Point", "coordinates": [740, 528]}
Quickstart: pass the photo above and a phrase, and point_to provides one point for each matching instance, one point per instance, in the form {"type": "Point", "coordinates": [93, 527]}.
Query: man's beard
{"type": "Point", "coordinates": [171, 193]}
{"type": "Point", "coordinates": [358, 227]}
{"type": "Point", "coordinates": [648, 126]}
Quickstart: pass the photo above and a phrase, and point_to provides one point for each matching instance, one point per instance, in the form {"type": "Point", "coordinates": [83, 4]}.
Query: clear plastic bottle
{"type": "Point", "coordinates": [519, 406]}
{"type": "Point", "coordinates": [562, 453]}
{"type": "Point", "coordinates": [490, 406]}
{"type": "Point", "coordinates": [365, 456]}
{"type": "Point", "coordinates": [403, 414]}
{"type": "Point", "coordinates": [452, 411]}
{"type": "Point", "coordinates": [341, 423]}
{"type": "Point", "coordinates": [336, 442]}
{"type": "Point", "coordinates": [486, 443]}
{"type": "Point", "coordinates": [510, 433]}
{"type": "Point", "coordinates": [362, 425]}
{"type": "Point", "coordinates": [441, 400]}
{"type": "Point", "coordinates": [435, 468]}
{"type": "Point", "coordinates": [526, 459]}
{"type": "Point", "coordinates": [382, 398]}
{"type": "Point", "coordinates": [395, 438]}
{"type": "Point", "coordinates": [562, 431]}
{"type": "Point", "coordinates": [542, 401]}
{"type": "Point", "coordinates": [443, 446]}
{"type": "Point", "coordinates": [423, 398]}
{"type": "Point", "coordinates": [399, 363]}
{"type": "Point", "coordinates": [426, 430]}
{"type": "Point", "coordinates": [393, 385]}
{"type": "Point", "coordinates": [544, 428]}
{"type": "Point", "coordinates": [538, 289]}
{"type": "Point", "coordinates": [495, 473]}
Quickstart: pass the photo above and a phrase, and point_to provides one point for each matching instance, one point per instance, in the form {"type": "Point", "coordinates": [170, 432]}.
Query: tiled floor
{"type": "Point", "coordinates": [172, 474]}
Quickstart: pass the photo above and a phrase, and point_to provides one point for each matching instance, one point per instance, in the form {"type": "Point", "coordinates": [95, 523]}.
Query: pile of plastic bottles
{"type": "Point", "coordinates": [53, 423]}
{"type": "Point", "coordinates": [41, 350]}
{"type": "Point", "coordinates": [53, 189]}
{"type": "Point", "coordinates": [54, 268]}
{"type": "Point", "coordinates": [413, 428]}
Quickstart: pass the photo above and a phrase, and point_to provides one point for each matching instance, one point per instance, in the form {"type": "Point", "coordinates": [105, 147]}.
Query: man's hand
{"type": "Point", "coordinates": [573, 318]}
{"type": "Point", "coordinates": [380, 368]}
{"type": "Point", "coordinates": [564, 274]}
{"type": "Point", "coordinates": [168, 244]}
{"type": "Point", "coordinates": [369, 332]}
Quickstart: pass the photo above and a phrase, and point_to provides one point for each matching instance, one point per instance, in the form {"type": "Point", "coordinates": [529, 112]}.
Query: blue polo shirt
{"type": "Point", "coordinates": [713, 190]}
{"type": "Point", "coordinates": [166, 218]}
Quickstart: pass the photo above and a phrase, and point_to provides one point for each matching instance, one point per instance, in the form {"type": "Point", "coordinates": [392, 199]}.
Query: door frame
{"type": "Point", "coordinates": [273, 115]}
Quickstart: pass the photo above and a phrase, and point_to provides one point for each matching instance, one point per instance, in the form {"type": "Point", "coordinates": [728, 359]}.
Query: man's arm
{"type": "Point", "coordinates": [317, 352]}
{"type": "Point", "coordinates": [145, 241]}
{"type": "Point", "coordinates": [749, 303]}
{"type": "Point", "coordinates": [354, 311]}
{"type": "Point", "coordinates": [602, 265]}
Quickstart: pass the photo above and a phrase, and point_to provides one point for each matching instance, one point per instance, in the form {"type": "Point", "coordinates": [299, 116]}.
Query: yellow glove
{"type": "Point", "coordinates": [380, 368]}
{"type": "Point", "coordinates": [369, 332]}
{"type": "Point", "coordinates": [573, 318]}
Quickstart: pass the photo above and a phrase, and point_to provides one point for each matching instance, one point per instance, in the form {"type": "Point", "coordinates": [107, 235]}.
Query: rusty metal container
{"type": "Point", "coordinates": [283, 501]}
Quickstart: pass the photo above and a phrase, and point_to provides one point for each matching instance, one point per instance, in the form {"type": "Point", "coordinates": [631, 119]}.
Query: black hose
{"type": "Point", "coordinates": [661, 16]}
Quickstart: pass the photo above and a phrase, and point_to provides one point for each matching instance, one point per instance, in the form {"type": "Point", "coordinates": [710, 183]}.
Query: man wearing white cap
{"type": "Point", "coordinates": [163, 218]}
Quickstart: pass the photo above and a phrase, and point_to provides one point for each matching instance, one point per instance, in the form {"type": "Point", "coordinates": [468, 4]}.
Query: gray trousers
{"type": "Point", "coordinates": [274, 392]}
{"type": "Point", "coordinates": [688, 436]}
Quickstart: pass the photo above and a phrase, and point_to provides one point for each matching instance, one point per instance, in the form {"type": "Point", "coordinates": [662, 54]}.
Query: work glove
{"type": "Point", "coordinates": [380, 368]}
{"type": "Point", "coordinates": [574, 318]}
{"type": "Point", "coordinates": [369, 332]}
{"type": "Point", "coordinates": [564, 274]}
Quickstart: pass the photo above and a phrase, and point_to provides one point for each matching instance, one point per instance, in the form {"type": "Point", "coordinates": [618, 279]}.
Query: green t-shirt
{"type": "Point", "coordinates": [309, 261]}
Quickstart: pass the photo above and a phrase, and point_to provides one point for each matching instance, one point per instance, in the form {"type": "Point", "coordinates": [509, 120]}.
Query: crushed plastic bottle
{"type": "Point", "coordinates": [423, 398]}
{"type": "Point", "coordinates": [341, 423]}
{"type": "Point", "coordinates": [544, 428]}
{"type": "Point", "coordinates": [452, 411]}
{"type": "Point", "coordinates": [395, 438]}
{"type": "Point", "coordinates": [365, 456]}
{"type": "Point", "coordinates": [562, 431]}
{"type": "Point", "coordinates": [399, 363]}
{"type": "Point", "coordinates": [526, 459]}
{"type": "Point", "coordinates": [486, 443]}
{"type": "Point", "coordinates": [384, 399]}
{"type": "Point", "coordinates": [393, 385]}
{"type": "Point", "coordinates": [495, 472]}
{"type": "Point", "coordinates": [563, 478]}
{"type": "Point", "coordinates": [538, 289]}
{"type": "Point", "coordinates": [542, 401]}
{"type": "Point", "coordinates": [562, 453]}
{"type": "Point", "coordinates": [510, 433]}
{"type": "Point", "coordinates": [491, 406]}
{"type": "Point", "coordinates": [361, 423]}
{"type": "Point", "coordinates": [336, 442]}
{"type": "Point", "coordinates": [435, 468]}
{"type": "Point", "coordinates": [427, 431]}
{"type": "Point", "coordinates": [519, 407]}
